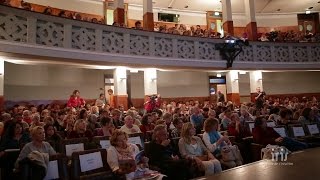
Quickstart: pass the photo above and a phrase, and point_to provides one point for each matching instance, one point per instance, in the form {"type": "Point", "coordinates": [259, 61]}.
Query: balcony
{"type": "Point", "coordinates": [35, 34]}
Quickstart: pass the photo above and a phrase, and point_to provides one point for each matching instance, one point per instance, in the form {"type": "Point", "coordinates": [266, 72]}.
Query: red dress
{"type": "Point", "coordinates": [75, 102]}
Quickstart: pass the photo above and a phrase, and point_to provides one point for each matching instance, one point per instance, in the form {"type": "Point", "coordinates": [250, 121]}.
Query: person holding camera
{"type": "Point", "coordinates": [153, 103]}
{"type": "Point", "coordinates": [260, 98]}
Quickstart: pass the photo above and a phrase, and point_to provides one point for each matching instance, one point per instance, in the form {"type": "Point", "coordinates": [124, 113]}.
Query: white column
{"type": "Point", "coordinates": [232, 82]}
{"type": "Point", "coordinates": [250, 11]}
{"type": "Point", "coordinates": [120, 81]}
{"type": "Point", "coordinates": [255, 81]}
{"type": "Point", "coordinates": [226, 10]}
{"type": "Point", "coordinates": [118, 4]}
{"type": "Point", "coordinates": [1, 76]}
{"type": "Point", "coordinates": [147, 6]}
{"type": "Point", "coordinates": [150, 81]}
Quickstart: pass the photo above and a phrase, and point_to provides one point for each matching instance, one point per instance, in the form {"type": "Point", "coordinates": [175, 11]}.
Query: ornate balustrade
{"type": "Point", "coordinates": [38, 34]}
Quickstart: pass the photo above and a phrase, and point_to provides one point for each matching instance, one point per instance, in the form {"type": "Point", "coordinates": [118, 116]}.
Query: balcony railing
{"type": "Point", "coordinates": [25, 27]}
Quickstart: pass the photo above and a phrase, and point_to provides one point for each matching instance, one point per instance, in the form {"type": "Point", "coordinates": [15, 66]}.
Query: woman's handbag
{"type": "Point", "coordinates": [227, 154]}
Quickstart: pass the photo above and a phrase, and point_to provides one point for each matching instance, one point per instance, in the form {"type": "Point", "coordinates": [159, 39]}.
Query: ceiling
{"type": "Point", "coordinates": [262, 6]}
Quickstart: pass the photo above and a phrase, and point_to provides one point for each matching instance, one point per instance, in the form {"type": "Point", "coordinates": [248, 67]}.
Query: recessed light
{"type": "Point", "coordinates": [278, 9]}
{"type": "Point", "coordinates": [186, 6]}
{"type": "Point", "coordinates": [308, 12]}
{"type": "Point", "coordinates": [310, 8]}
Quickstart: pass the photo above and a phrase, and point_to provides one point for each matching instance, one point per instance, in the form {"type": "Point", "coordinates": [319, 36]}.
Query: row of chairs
{"type": "Point", "coordinates": [88, 164]}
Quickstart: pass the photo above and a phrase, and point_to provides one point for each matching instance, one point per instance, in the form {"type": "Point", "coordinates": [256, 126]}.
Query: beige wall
{"type": "Point", "coordinates": [84, 6]}
{"type": "Point", "coordinates": [137, 85]}
{"type": "Point", "coordinates": [41, 82]}
{"type": "Point", "coordinates": [291, 82]}
{"type": "Point", "coordinates": [183, 84]}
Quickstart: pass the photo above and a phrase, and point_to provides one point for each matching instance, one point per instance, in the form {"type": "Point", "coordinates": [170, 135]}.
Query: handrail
{"type": "Point", "coordinates": [21, 26]}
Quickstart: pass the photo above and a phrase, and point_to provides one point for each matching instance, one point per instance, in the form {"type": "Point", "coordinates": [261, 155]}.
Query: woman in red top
{"type": "Point", "coordinates": [75, 100]}
{"type": "Point", "coordinates": [237, 128]}
{"type": "Point", "coordinates": [146, 124]}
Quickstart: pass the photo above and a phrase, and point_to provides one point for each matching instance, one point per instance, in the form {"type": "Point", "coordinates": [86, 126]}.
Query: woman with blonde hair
{"type": "Point", "coordinates": [121, 157]}
{"type": "Point", "coordinates": [191, 147]}
{"type": "Point", "coordinates": [80, 130]}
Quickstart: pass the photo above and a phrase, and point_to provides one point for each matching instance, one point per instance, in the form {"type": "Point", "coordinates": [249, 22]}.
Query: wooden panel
{"type": "Point", "coordinates": [234, 98]}
{"type": "Point", "coordinates": [121, 100]}
{"type": "Point", "coordinates": [118, 15]}
{"type": "Point", "coordinates": [148, 22]}
{"type": "Point", "coordinates": [228, 27]}
{"type": "Point", "coordinates": [300, 165]}
{"type": "Point", "coordinates": [252, 31]}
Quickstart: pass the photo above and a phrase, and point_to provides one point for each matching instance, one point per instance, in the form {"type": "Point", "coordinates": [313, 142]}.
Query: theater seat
{"type": "Point", "coordinates": [90, 164]}
{"type": "Point", "coordinates": [57, 169]}
{"type": "Point", "coordinates": [256, 151]}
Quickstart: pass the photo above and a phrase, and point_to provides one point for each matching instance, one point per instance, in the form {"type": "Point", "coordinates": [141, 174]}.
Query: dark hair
{"type": "Point", "coordinates": [81, 114]}
{"type": "Point", "coordinates": [176, 120]}
{"type": "Point", "coordinates": [101, 94]}
{"type": "Point", "coordinates": [258, 121]}
{"type": "Point", "coordinates": [11, 129]}
{"type": "Point", "coordinates": [283, 113]}
{"type": "Point", "coordinates": [74, 93]}
{"type": "Point", "coordinates": [306, 112]}
{"type": "Point", "coordinates": [275, 110]}
{"type": "Point", "coordinates": [46, 128]}
{"type": "Point", "coordinates": [105, 120]}
{"type": "Point", "coordinates": [138, 22]}
{"type": "Point", "coordinates": [144, 120]}
{"type": "Point", "coordinates": [205, 109]}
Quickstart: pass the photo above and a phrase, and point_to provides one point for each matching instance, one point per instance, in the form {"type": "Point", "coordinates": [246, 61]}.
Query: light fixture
{"type": "Point", "coordinates": [242, 72]}
{"type": "Point", "coordinates": [134, 70]}
{"type": "Point", "coordinates": [236, 79]}
{"type": "Point", "coordinates": [153, 79]}
{"type": "Point", "coordinates": [216, 13]}
{"type": "Point", "coordinates": [218, 75]}
{"type": "Point", "coordinates": [308, 12]}
{"type": "Point", "coordinates": [123, 78]}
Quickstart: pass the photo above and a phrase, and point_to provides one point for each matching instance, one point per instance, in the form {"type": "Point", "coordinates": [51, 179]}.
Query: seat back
{"type": "Point", "coordinates": [250, 125]}
{"type": "Point", "coordinates": [104, 141]}
{"type": "Point", "coordinates": [68, 146]}
{"type": "Point", "coordinates": [137, 138]}
{"type": "Point", "coordinates": [90, 164]}
{"type": "Point", "coordinates": [313, 129]}
{"type": "Point", "coordinates": [271, 124]}
{"type": "Point", "coordinates": [57, 167]}
{"type": "Point", "coordinates": [297, 130]}
{"type": "Point", "coordinates": [281, 130]}
{"type": "Point", "coordinates": [256, 151]}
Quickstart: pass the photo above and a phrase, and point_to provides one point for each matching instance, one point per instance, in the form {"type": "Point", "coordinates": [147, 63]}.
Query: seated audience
{"type": "Point", "coordinates": [216, 143]}
{"type": "Point", "coordinates": [137, 25]}
{"type": "Point", "coordinates": [107, 127]}
{"type": "Point", "coordinates": [226, 120]}
{"type": "Point", "coordinates": [307, 116]}
{"type": "Point", "coordinates": [121, 157]}
{"type": "Point", "coordinates": [116, 118]}
{"type": "Point", "coordinates": [177, 122]}
{"type": "Point", "coordinates": [36, 121]}
{"type": "Point", "coordinates": [92, 123]}
{"type": "Point", "coordinates": [197, 119]}
{"type": "Point", "coordinates": [266, 135]}
{"type": "Point", "coordinates": [129, 127]}
{"type": "Point", "coordinates": [38, 149]}
{"type": "Point", "coordinates": [146, 124]}
{"type": "Point", "coordinates": [52, 137]}
{"type": "Point", "coordinates": [80, 130]}
{"type": "Point", "coordinates": [237, 128]}
{"type": "Point", "coordinates": [192, 147]}
{"type": "Point", "coordinates": [163, 157]}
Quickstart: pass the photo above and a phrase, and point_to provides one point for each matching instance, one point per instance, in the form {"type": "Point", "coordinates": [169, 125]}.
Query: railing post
{"type": "Point", "coordinates": [67, 36]}
{"type": "Point", "coordinates": [151, 45]}
{"type": "Point", "coordinates": [31, 30]}
{"type": "Point", "coordinates": [98, 40]}
{"type": "Point", "coordinates": [196, 50]}
{"type": "Point", "coordinates": [272, 51]}
{"type": "Point", "coordinates": [126, 41]}
{"type": "Point", "coordinates": [290, 49]}
{"type": "Point", "coordinates": [309, 53]}
{"type": "Point", "coordinates": [175, 48]}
